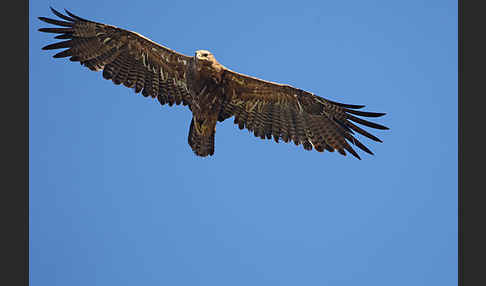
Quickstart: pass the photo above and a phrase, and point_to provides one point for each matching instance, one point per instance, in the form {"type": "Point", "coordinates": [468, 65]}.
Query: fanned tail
{"type": "Point", "coordinates": [201, 139]}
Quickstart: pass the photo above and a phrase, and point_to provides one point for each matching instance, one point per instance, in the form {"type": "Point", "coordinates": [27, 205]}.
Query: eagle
{"type": "Point", "coordinates": [212, 92]}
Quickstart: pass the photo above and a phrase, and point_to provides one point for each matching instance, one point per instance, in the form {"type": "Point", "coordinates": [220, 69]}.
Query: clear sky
{"type": "Point", "coordinates": [117, 197]}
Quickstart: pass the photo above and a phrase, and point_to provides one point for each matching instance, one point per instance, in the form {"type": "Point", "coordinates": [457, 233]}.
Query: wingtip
{"type": "Point", "coordinates": [353, 106]}
{"type": "Point", "coordinates": [74, 16]}
{"type": "Point", "coordinates": [378, 114]}
{"type": "Point", "coordinates": [364, 113]}
{"type": "Point", "coordinates": [376, 139]}
{"type": "Point", "coordinates": [59, 14]}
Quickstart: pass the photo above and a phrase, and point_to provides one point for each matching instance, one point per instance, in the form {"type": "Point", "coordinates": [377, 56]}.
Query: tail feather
{"type": "Point", "coordinates": [202, 144]}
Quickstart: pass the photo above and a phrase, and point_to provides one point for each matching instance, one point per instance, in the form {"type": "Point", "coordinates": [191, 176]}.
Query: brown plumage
{"type": "Point", "coordinates": [212, 92]}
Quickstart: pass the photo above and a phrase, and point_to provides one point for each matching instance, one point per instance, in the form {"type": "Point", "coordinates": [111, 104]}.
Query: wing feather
{"type": "Point", "coordinates": [276, 124]}
{"type": "Point", "coordinates": [125, 57]}
{"type": "Point", "coordinates": [291, 114]}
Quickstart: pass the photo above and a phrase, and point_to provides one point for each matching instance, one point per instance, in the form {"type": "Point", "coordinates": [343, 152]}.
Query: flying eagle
{"type": "Point", "coordinates": [211, 91]}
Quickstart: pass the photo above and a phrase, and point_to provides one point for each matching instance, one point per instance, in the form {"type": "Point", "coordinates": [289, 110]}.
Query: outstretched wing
{"type": "Point", "coordinates": [284, 112]}
{"type": "Point", "coordinates": [125, 57]}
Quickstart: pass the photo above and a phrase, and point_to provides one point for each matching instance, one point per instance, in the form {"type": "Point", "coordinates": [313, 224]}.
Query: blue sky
{"type": "Point", "coordinates": [118, 198]}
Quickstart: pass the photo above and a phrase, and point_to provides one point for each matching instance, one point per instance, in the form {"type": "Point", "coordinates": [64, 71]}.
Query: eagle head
{"type": "Point", "coordinates": [203, 55]}
{"type": "Point", "coordinates": [206, 59]}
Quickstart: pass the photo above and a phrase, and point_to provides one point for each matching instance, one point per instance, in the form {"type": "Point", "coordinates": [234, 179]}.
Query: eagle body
{"type": "Point", "coordinates": [204, 82]}
{"type": "Point", "coordinates": [212, 92]}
